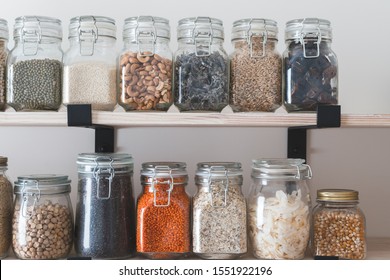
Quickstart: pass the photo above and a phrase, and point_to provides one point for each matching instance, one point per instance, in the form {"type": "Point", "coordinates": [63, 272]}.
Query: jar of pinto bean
{"type": "Point", "coordinates": [338, 225]}
{"type": "Point", "coordinates": [163, 211]}
{"type": "Point", "coordinates": [145, 65]}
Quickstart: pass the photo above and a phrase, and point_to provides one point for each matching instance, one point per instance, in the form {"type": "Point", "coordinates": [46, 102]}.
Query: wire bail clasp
{"type": "Point", "coordinates": [35, 195]}
{"type": "Point", "coordinates": [202, 35]}
{"type": "Point", "coordinates": [88, 35]}
{"type": "Point", "coordinates": [224, 171]}
{"type": "Point", "coordinates": [251, 35]}
{"type": "Point", "coordinates": [304, 41]}
{"type": "Point", "coordinates": [146, 35]}
{"type": "Point", "coordinates": [169, 182]}
{"type": "Point", "coordinates": [103, 173]}
{"type": "Point", "coordinates": [31, 35]}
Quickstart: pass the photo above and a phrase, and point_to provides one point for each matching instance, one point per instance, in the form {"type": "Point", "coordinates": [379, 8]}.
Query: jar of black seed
{"type": "Point", "coordinates": [105, 211]}
{"type": "Point", "coordinates": [3, 62]}
{"type": "Point", "coordinates": [310, 73]}
{"type": "Point", "coordinates": [90, 74]}
{"type": "Point", "coordinates": [34, 79]}
{"type": "Point", "coordinates": [201, 66]}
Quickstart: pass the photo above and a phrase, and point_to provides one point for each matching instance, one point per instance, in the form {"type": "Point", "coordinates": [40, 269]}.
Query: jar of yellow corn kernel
{"type": "Point", "coordinates": [338, 225]}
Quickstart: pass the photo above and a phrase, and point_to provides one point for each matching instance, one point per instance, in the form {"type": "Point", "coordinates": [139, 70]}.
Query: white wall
{"type": "Point", "coordinates": [348, 158]}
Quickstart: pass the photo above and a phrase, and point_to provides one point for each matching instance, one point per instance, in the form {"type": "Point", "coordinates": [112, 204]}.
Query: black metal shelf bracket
{"type": "Point", "coordinates": [327, 116]}
{"type": "Point", "coordinates": [80, 115]}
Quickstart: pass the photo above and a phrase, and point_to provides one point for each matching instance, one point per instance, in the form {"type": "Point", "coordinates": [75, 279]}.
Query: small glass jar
{"type": "Point", "coordinates": [3, 62]}
{"type": "Point", "coordinates": [90, 75]}
{"type": "Point", "coordinates": [34, 66]}
{"type": "Point", "coordinates": [6, 209]}
{"type": "Point", "coordinates": [163, 211]}
{"type": "Point", "coordinates": [145, 65]}
{"type": "Point", "coordinates": [339, 225]}
{"type": "Point", "coordinates": [310, 68]}
{"type": "Point", "coordinates": [219, 211]}
{"type": "Point", "coordinates": [105, 210]}
{"type": "Point", "coordinates": [255, 66]}
{"type": "Point", "coordinates": [201, 72]}
{"type": "Point", "coordinates": [279, 208]}
{"type": "Point", "coordinates": [42, 225]}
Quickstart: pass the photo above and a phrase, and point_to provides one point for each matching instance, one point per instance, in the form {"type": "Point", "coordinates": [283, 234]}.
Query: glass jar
{"type": "Point", "coordinates": [90, 63]}
{"type": "Point", "coordinates": [34, 80]}
{"type": "Point", "coordinates": [201, 66]}
{"type": "Point", "coordinates": [310, 68]}
{"type": "Point", "coordinates": [145, 65]}
{"type": "Point", "coordinates": [105, 210]}
{"type": "Point", "coordinates": [219, 211]}
{"type": "Point", "coordinates": [279, 208]}
{"type": "Point", "coordinates": [6, 209]}
{"type": "Point", "coordinates": [42, 225]}
{"type": "Point", "coordinates": [339, 226]}
{"type": "Point", "coordinates": [255, 66]}
{"type": "Point", "coordinates": [3, 62]}
{"type": "Point", "coordinates": [163, 211]}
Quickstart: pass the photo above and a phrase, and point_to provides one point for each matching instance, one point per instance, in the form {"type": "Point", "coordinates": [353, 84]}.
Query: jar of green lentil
{"type": "Point", "coordinates": [35, 64]}
{"type": "Point", "coordinates": [3, 61]}
{"type": "Point", "coordinates": [90, 63]}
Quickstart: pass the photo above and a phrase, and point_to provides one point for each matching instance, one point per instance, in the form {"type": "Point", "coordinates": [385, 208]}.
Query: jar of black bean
{"type": "Point", "coordinates": [310, 74]}
{"type": "Point", "coordinates": [90, 63]}
{"type": "Point", "coordinates": [3, 62]}
{"type": "Point", "coordinates": [201, 66]}
{"type": "Point", "coordinates": [255, 66]}
{"type": "Point", "coordinates": [35, 65]}
{"type": "Point", "coordinates": [6, 209]}
{"type": "Point", "coordinates": [105, 211]}
{"type": "Point", "coordinates": [145, 65]}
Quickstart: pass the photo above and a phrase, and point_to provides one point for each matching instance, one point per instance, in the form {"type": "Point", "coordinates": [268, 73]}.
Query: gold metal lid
{"type": "Point", "coordinates": [3, 161]}
{"type": "Point", "coordinates": [337, 195]}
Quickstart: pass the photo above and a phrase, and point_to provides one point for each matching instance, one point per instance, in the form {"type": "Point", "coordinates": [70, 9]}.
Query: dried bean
{"type": "Point", "coordinates": [6, 198]}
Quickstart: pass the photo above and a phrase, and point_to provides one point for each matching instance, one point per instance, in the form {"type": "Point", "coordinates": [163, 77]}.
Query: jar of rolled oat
{"type": "Point", "coordinates": [310, 70]}
{"type": "Point", "coordinates": [163, 211]}
{"type": "Point", "coordinates": [6, 208]}
{"type": "Point", "coordinates": [42, 224]}
{"type": "Point", "coordinates": [90, 63]}
{"type": "Point", "coordinates": [3, 62]}
{"type": "Point", "coordinates": [279, 208]}
{"type": "Point", "coordinates": [255, 66]}
{"type": "Point", "coordinates": [339, 227]}
{"type": "Point", "coordinates": [145, 65]}
{"type": "Point", "coordinates": [219, 229]}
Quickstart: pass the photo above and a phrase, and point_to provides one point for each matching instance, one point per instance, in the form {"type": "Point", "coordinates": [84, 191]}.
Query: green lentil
{"type": "Point", "coordinates": [3, 60]}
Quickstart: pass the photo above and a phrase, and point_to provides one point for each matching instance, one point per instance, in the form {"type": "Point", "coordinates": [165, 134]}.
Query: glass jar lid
{"type": "Point", "coordinates": [3, 161]}
{"type": "Point", "coordinates": [164, 169]}
{"type": "Point", "coordinates": [337, 195]}
{"type": "Point", "coordinates": [91, 27]}
{"type": "Point", "coordinates": [91, 162]}
{"type": "Point", "coordinates": [42, 184]}
{"type": "Point", "coordinates": [218, 169]}
{"type": "Point", "coordinates": [254, 27]}
{"type": "Point", "coordinates": [36, 28]}
{"type": "Point", "coordinates": [146, 28]}
{"type": "Point", "coordinates": [308, 28]}
{"type": "Point", "coordinates": [3, 29]}
{"type": "Point", "coordinates": [290, 168]}
{"type": "Point", "coordinates": [200, 28]}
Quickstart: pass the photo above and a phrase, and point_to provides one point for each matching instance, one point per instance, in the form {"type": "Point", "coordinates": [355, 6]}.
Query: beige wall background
{"type": "Point", "coordinates": [355, 158]}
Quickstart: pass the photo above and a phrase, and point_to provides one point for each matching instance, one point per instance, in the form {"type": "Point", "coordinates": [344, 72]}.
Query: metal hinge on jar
{"type": "Point", "coordinates": [215, 170]}
{"type": "Point", "coordinates": [314, 37]}
{"type": "Point", "coordinates": [146, 36]}
{"type": "Point", "coordinates": [31, 35]}
{"type": "Point", "coordinates": [103, 173]}
{"type": "Point", "coordinates": [164, 169]}
{"type": "Point", "coordinates": [26, 197]}
{"type": "Point", "coordinates": [251, 34]}
{"type": "Point", "coordinates": [202, 35]}
{"type": "Point", "coordinates": [88, 35]}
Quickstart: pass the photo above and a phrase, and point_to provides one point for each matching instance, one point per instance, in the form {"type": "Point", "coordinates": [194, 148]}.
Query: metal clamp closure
{"type": "Point", "coordinates": [31, 35]}
{"type": "Point", "coordinates": [103, 173]}
{"type": "Point", "coordinates": [307, 176]}
{"type": "Point", "coordinates": [88, 35]}
{"type": "Point", "coordinates": [211, 183]}
{"type": "Point", "coordinates": [35, 196]}
{"type": "Point", "coordinates": [304, 41]}
{"type": "Point", "coordinates": [169, 182]}
{"type": "Point", "coordinates": [251, 35]}
{"type": "Point", "coordinates": [202, 35]}
{"type": "Point", "coordinates": [146, 35]}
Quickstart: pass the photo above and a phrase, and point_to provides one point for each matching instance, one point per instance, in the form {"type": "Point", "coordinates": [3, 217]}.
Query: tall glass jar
{"type": "Point", "coordinates": [219, 228]}
{"type": "Point", "coordinates": [42, 225]}
{"type": "Point", "coordinates": [34, 80]}
{"type": "Point", "coordinates": [105, 210]}
{"type": "Point", "coordinates": [339, 225]}
{"type": "Point", "coordinates": [279, 208]}
{"type": "Point", "coordinates": [310, 68]}
{"type": "Point", "coordinates": [145, 65]}
{"type": "Point", "coordinates": [163, 211]}
{"type": "Point", "coordinates": [6, 209]}
{"type": "Point", "coordinates": [90, 75]}
{"type": "Point", "coordinates": [201, 66]}
{"type": "Point", "coordinates": [3, 62]}
{"type": "Point", "coordinates": [255, 66]}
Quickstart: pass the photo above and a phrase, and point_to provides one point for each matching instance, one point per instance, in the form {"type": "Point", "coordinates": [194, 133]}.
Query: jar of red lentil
{"type": "Point", "coordinates": [338, 225]}
{"type": "Point", "coordinates": [163, 211]}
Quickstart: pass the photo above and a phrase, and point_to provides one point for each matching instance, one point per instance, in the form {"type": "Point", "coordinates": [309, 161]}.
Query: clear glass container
{"type": "Point", "coordinates": [145, 65]}
{"type": "Point", "coordinates": [201, 75]}
{"type": "Point", "coordinates": [164, 211]}
{"type": "Point", "coordinates": [42, 225]}
{"type": "Point", "coordinates": [339, 225]}
{"type": "Point", "coordinates": [105, 210]}
{"type": "Point", "coordinates": [255, 66]}
{"type": "Point", "coordinates": [6, 209]}
{"type": "Point", "coordinates": [310, 67]}
{"type": "Point", "coordinates": [219, 228]}
{"type": "Point", "coordinates": [90, 75]}
{"type": "Point", "coordinates": [34, 66]}
{"type": "Point", "coordinates": [3, 62]}
{"type": "Point", "coordinates": [279, 208]}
